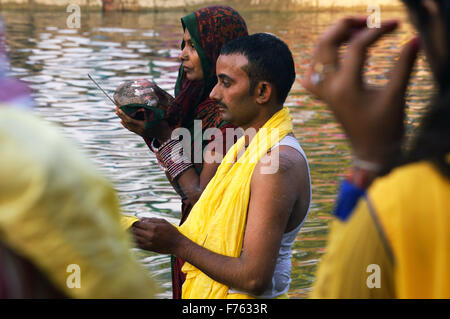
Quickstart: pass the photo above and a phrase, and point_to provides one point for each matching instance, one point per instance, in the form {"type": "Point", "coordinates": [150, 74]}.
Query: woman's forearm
{"type": "Point", "coordinates": [189, 182]}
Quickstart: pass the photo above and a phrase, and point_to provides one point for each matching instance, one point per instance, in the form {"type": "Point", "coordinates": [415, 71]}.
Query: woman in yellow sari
{"type": "Point", "coordinates": [391, 238]}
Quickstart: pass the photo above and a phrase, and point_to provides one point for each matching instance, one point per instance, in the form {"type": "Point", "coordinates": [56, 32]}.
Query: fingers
{"type": "Point", "coordinates": [146, 223]}
{"type": "Point", "coordinates": [123, 116]}
{"type": "Point", "coordinates": [327, 49]}
{"type": "Point", "coordinates": [142, 239]}
{"type": "Point", "coordinates": [403, 69]}
{"type": "Point", "coordinates": [327, 53]}
{"type": "Point", "coordinates": [141, 233]}
{"type": "Point", "coordinates": [154, 234]}
{"type": "Point", "coordinates": [143, 225]}
{"type": "Point", "coordinates": [355, 57]}
{"type": "Point", "coordinates": [330, 42]}
{"type": "Point", "coordinates": [131, 124]}
{"type": "Point", "coordinates": [339, 33]}
{"type": "Point", "coordinates": [152, 220]}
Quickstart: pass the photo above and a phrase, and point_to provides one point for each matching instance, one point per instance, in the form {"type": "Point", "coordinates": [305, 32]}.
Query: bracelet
{"type": "Point", "coordinates": [153, 147]}
{"type": "Point", "coordinates": [360, 178]}
{"type": "Point", "coordinates": [354, 186]}
{"type": "Point", "coordinates": [366, 165]}
{"type": "Point", "coordinates": [363, 172]}
{"type": "Point", "coordinates": [171, 156]}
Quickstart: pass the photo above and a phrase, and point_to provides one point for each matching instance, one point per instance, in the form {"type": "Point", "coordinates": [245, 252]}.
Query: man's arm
{"type": "Point", "coordinates": [272, 199]}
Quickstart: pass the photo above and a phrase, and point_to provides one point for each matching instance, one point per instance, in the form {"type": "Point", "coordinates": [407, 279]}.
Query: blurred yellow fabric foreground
{"type": "Point", "coordinates": [403, 229]}
{"type": "Point", "coordinates": [416, 223]}
{"type": "Point", "coordinates": [217, 221]}
{"type": "Point", "coordinates": [56, 211]}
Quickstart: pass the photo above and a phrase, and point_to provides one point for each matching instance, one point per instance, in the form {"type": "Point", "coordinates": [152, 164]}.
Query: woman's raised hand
{"type": "Point", "coordinates": [131, 124]}
{"type": "Point", "coordinates": [371, 116]}
{"type": "Point", "coordinates": [161, 131]}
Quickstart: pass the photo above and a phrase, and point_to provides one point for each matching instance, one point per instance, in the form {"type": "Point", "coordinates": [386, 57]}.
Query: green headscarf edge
{"type": "Point", "coordinates": [189, 22]}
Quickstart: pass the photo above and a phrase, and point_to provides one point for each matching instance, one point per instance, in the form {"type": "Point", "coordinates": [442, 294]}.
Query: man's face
{"type": "Point", "coordinates": [232, 91]}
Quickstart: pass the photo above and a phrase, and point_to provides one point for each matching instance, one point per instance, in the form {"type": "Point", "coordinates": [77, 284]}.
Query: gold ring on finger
{"type": "Point", "coordinates": [320, 70]}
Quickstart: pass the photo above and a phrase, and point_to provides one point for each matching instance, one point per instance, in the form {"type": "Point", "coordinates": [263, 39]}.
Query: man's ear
{"type": "Point", "coordinates": [263, 92]}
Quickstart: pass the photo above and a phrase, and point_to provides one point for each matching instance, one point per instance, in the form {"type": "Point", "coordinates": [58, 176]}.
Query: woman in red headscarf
{"type": "Point", "coordinates": [206, 31]}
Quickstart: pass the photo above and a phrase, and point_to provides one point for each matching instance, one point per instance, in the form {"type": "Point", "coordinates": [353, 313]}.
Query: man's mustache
{"type": "Point", "coordinates": [222, 105]}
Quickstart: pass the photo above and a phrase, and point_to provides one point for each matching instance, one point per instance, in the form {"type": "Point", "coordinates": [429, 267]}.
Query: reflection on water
{"type": "Point", "coordinates": [115, 47]}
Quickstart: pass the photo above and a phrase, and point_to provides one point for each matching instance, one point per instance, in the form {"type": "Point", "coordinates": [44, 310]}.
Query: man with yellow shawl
{"type": "Point", "coordinates": [237, 240]}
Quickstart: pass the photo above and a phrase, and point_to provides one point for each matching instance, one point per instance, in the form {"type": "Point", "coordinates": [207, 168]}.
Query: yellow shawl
{"type": "Point", "coordinates": [217, 221]}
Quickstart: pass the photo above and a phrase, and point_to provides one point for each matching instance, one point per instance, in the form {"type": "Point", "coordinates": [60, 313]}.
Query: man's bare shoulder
{"type": "Point", "coordinates": [282, 160]}
{"type": "Point", "coordinates": [280, 174]}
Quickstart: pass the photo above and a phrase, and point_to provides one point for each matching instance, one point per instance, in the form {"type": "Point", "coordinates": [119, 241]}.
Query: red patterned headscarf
{"type": "Point", "coordinates": [210, 29]}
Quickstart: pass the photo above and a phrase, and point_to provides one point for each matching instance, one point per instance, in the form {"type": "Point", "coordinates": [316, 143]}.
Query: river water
{"type": "Point", "coordinates": [115, 47]}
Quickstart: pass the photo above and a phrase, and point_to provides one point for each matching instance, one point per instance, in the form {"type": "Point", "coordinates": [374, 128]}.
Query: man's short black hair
{"type": "Point", "coordinates": [269, 59]}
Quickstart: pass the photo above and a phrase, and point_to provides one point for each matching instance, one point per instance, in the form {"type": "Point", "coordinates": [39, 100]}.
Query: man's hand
{"type": "Point", "coordinates": [372, 117]}
{"type": "Point", "coordinates": [157, 235]}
